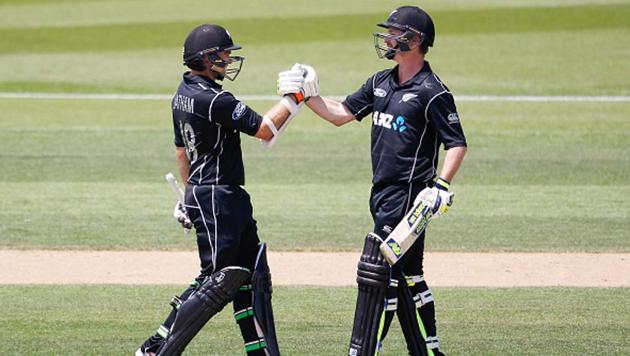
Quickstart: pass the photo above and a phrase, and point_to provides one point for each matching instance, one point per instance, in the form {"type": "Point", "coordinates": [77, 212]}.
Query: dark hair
{"type": "Point", "coordinates": [424, 47]}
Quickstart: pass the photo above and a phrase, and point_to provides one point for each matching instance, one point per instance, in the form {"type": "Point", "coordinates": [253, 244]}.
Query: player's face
{"type": "Point", "coordinates": [225, 56]}
{"type": "Point", "coordinates": [390, 40]}
{"type": "Point", "coordinates": [231, 64]}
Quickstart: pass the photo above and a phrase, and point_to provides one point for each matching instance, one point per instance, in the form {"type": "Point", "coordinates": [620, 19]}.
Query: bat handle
{"type": "Point", "coordinates": [172, 181]}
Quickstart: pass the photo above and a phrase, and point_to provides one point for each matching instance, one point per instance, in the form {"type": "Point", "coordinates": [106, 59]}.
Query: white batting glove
{"type": "Point", "coordinates": [180, 214]}
{"type": "Point", "coordinates": [311, 80]}
{"type": "Point", "coordinates": [291, 82]}
{"type": "Point", "coordinates": [438, 197]}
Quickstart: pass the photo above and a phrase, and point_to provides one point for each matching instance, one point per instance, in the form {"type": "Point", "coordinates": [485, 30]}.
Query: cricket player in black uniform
{"type": "Point", "coordinates": [207, 122]}
{"type": "Point", "coordinates": [413, 114]}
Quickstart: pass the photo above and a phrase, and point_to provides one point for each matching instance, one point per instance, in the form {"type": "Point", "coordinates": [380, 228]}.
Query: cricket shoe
{"type": "Point", "coordinates": [140, 352]}
{"type": "Point", "coordinates": [149, 348]}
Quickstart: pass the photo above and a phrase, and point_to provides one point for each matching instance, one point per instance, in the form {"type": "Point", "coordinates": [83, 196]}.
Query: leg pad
{"type": "Point", "coordinates": [373, 275]}
{"type": "Point", "coordinates": [213, 294]}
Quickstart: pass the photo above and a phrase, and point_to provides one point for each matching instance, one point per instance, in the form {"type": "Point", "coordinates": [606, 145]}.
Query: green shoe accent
{"type": "Point", "coordinates": [243, 314]}
{"type": "Point", "coordinates": [255, 345]}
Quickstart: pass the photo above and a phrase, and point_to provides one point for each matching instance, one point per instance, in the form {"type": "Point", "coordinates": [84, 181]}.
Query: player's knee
{"type": "Point", "coordinates": [208, 299]}
{"type": "Point", "coordinates": [372, 269]}
{"type": "Point", "coordinates": [419, 289]}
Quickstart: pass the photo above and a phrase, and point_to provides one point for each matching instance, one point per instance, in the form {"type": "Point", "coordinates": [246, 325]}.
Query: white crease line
{"type": "Point", "coordinates": [469, 98]}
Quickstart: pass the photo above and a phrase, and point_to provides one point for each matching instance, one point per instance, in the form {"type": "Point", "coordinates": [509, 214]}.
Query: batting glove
{"type": "Point", "coordinates": [180, 214]}
{"type": "Point", "coordinates": [311, 80]}
{"type": "Point", "coordinates": [291, 82]}
{"type": "Point", "coordinates": [438, 197]}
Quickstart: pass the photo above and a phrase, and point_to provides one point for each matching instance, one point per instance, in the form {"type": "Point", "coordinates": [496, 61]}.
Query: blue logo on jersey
{"type": "Point", "coordinates": [239, 109]}
{"type": "Point", "coordinates": [387, 121]}
{"type": "Point", "coordinates": [399, 124]}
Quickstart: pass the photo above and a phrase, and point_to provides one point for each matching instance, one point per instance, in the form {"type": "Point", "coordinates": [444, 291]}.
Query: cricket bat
{"type": "Point", "coordinates": [172, 181]}
{"type": "Point", "coordinates": [179, 195]}
{"type": "Point", "coordinates": [407, 231]}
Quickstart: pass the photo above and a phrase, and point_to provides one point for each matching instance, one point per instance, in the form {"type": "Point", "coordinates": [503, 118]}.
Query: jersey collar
{"type": "Point", "coordinates": [416, 80]}
{"type": "Point", "coordinates": [198, 79]}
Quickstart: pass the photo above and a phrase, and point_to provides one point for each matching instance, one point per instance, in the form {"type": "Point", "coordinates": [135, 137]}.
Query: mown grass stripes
{"type": "Point", "coordinates": [132, 37]}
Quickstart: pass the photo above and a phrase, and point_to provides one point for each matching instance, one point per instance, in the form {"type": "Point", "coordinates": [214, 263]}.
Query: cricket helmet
{"type": "Point", "coordinates": [209, 40]}
{"type": "Point", "coordinates": [412, 21]}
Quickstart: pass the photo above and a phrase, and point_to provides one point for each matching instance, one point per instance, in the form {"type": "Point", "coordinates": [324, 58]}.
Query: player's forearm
{"type": "Point", "coordinates": [452, 162]}
{"type": "Point", "coordinates": [183, 165]}
{"type": "Point", "coordinates": [278, 115]}
{"type": "Point", "coordinates": [330, 110]}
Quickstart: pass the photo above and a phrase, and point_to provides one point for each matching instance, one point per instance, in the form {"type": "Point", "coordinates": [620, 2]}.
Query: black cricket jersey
{"type": "Point", "coordinates": [409, 123]}
{"type": "Point", "coordinates": [207, 121]}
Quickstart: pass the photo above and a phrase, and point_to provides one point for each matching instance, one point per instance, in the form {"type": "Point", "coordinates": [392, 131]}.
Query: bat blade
{"type": "Point", "coordinates": [406, 232]}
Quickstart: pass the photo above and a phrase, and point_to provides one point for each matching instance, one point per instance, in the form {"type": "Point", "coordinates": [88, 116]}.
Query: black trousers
{"type": "Point", "coordinates": [388, 205]}
{"type": "Point", "coordinates": [226, 230]}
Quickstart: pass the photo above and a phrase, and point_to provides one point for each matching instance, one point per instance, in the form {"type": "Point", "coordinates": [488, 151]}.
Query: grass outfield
{"type": "Point", "coordinates": [539, 176]}
{"type": "Point", "coordinates": [113, 320]}
{"type": "Point", "coordinates": [488, 46]}
{"type": "Point", "coordinates": [89, 175]}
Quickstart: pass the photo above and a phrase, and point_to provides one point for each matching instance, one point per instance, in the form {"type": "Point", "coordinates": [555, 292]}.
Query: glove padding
{"type": "Point", "coordinates": [180, 214]}
{"type": "Point", "coordinates": [437, 197]}
{"type": "Point", "coordinates": [291, 82]}
{"type": "Point", "coordinates": [311, 80]}
{"type": "Point", "coordinates": [301, 81]}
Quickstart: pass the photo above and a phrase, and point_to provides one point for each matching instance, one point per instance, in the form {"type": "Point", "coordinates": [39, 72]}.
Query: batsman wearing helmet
{"type": "Point", "coordinates": [207, 122]}
{"type": "Point", "coordinates": [413, 114]}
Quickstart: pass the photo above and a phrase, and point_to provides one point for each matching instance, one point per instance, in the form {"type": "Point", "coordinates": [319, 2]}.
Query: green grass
{"type": "Point", "coordinates": [114, 320]}
{"type": "Point", "coordinates": [89, 175]}
{"type": "Point", "coordinates": [488, 47]}
{"type": "Point", "coordinates": [339, 27]}
{"type": "Point", "coordinates": [539, 176]}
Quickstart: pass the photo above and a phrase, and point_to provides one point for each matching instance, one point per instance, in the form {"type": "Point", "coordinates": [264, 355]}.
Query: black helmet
{"type": "Point", "coordinates": [412, 21]}
{"type": "Point", "coordinates": [412, 18]}
{"type": "Point", "coordinates": [210, 40]}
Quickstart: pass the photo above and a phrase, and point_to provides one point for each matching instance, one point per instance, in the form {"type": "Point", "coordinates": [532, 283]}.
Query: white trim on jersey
{"type": "Point", "coordinates": [426, 118]}
{"type": "Point", "coordinates": [435, 152]}
{"type": "Point", "coordinates": [408, 198]}
{"type": "Point", "coordinates": [219, 139]}
{"type": "Point", "coordinates": [205, 161]}
{"type": "Point", "coordinates": [359, 112]}
{"type": "Point", "coordinates": [212, 103]}
{"type": "Point", "coordinates": [426, 110]}
{"type": "Point", "coordinates": [197, 169]}
{"type": "Point", "coordinates": [415, 159]}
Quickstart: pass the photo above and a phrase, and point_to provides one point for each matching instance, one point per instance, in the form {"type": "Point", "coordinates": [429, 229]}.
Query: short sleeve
{"type": "Point", "coordinates": [179, 141]}
{"type": "Point", "coordinates": [360, 103]}
{"type": "Point", "coordinates": [443, 115]}
{"type": "Point", "coordinates": [230, 112]}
